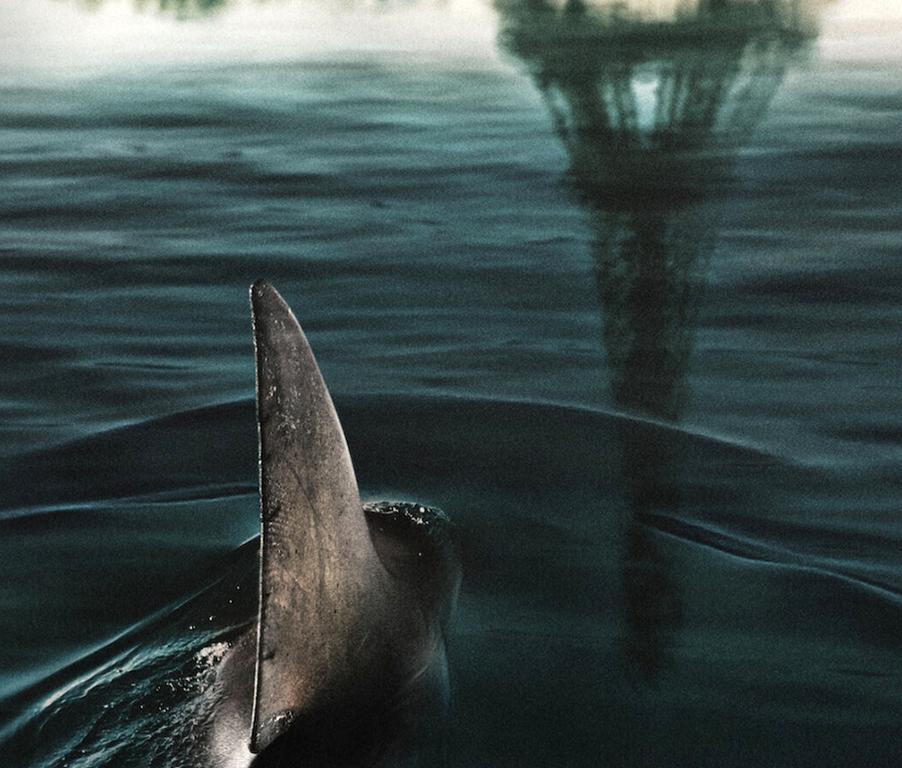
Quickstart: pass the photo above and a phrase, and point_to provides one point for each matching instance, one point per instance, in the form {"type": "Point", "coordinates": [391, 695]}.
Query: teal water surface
{"type": "Point", "coordinates": [616, 285]}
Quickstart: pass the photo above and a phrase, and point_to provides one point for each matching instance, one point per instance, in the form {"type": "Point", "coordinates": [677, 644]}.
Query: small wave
{"type": "Point", "coordinates": [212, 450]}
{"type": "Point", "coordinates": [765, 550]}
{"type": "Point", "coordinates": [219, 606]}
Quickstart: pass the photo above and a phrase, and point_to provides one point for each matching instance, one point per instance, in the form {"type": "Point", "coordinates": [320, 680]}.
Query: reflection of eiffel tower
{"type": "Point", "coordinates": [651, 99]}
{"type": "Point", "coordinates": [629, 93]}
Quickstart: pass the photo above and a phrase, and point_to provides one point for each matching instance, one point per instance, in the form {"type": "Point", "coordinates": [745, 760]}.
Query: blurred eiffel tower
{"type": "Point", "coordinates": [652, 100]}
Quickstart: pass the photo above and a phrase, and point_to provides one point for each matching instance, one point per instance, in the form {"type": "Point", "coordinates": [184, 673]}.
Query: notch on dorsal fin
{"type": "Point", "coordinates": [320, 579]}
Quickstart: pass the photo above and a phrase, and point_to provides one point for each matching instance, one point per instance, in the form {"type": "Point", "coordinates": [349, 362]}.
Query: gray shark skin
{"type": "Point", "coordinates": [348, 655]}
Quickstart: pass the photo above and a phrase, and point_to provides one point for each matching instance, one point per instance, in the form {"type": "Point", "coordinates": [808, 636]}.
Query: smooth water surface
{"type": "Point", "coordinates": [617, 285]}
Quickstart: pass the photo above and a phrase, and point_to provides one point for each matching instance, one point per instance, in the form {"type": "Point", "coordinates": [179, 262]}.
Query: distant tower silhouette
{"type": "Point", "coordinates": [651, 99]}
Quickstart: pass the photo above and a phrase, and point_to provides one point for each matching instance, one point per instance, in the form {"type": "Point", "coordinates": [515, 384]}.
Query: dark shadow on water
{"type": "Point", "coordinates": [651, 110]}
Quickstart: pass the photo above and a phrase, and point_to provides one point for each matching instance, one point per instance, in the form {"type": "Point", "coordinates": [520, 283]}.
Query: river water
{"type": "Point", "coordinates": [616, 285]}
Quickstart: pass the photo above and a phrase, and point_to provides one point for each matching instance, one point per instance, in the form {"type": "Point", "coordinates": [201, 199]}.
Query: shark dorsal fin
{"type": "Point", "coordinates": [319, 571]}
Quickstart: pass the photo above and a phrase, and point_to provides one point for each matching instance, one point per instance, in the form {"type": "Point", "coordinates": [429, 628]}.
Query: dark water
{"type": "Point", "coordinates": [618, 288]}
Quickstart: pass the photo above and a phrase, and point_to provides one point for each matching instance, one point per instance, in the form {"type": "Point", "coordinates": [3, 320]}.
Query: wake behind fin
{"type": "Point", "coordinates": [320, 578]}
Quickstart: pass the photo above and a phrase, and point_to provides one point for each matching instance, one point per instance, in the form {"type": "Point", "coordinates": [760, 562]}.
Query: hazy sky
{"type": "Point", "coordinates": [62, 37]}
